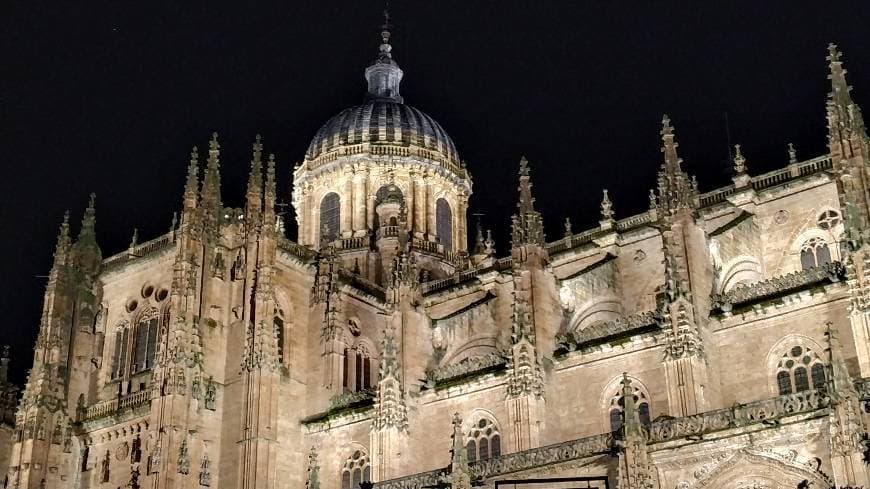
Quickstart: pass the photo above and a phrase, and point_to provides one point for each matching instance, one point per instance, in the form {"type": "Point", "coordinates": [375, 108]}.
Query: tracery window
{"type": "Point", "coordinates": [355, 470]}
{"type": "Point", "coordinates": [145, 341]}
{"type": "Point", "coordinates": [829, 219]}
{"type": "Point", "coordinates": [815, 253]}
{"type": "Point", "coordinates": [617, 408]}
{"type": "Point", "coordinates": [483, 440]}
{"type": "Point", "coordinates": [799, 369]}
{"type": "Point", "coordinates": [444, 224]}
{"type": "Point", "coordinates": [330, 216]}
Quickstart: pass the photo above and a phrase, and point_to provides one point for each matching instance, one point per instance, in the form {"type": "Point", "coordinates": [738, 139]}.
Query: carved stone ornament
{"type": "Point", "coordinates": [122, 451]}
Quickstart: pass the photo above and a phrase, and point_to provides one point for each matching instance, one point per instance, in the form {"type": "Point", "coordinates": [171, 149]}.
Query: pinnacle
{"type": "Point", "coordinates": [213, 143]}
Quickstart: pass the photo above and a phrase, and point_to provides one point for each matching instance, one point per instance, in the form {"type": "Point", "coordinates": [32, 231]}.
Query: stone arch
{"type": "Point", "coordinates": [748, 468]}
{"type": "Point", "coordinates": [613, 389]}
{"type": "Point", "coordinates": [285, 311]}
{"type": "Point", "coordinates": [743, 269]}
{"type": "Point", "coordinates": [598, 310]}
{"type": "Point", "coordinates": [474, 347]}
{"type": "Point", "coordinates": [775, 353]}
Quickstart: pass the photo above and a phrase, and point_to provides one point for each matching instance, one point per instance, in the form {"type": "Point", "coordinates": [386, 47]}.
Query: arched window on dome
{"type": "Point", "coordinates": [483, 440]}
{"type": "Point", "coordinates": [617, 406]}
{"type": "Point", "coordinates": [356, 469]}
{"type": "Point", "coordinates": [330, 217]}
{"type": "Point", "coordinates": [800, 369]}
{"type": "Point", "coordinates": [145, 340]}
{"type": "Point", "coordinates": [444, 223]}
{"type": "Point", "coordinates": [815, 253]}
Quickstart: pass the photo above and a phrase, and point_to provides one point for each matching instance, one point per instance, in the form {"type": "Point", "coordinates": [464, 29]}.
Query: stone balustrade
{"type": "Point", "coordinates": [777, 286]}
{"type": "Point", "coordinates": [113, 406]}
{"type": "Point", "coordinates": [765, 411]}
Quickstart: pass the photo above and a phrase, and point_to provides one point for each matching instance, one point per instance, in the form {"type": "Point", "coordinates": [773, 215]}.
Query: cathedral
{"type": "Point", "coordinates": [719, 339]}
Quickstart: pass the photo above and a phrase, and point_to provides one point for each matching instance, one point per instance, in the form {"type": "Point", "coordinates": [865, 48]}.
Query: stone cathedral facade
{"type": "Point", "coordinates": [719, 339]}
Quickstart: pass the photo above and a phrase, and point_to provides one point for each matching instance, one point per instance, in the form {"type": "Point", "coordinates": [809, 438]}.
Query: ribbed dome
{"type": "Point", "coordinates": [383, 121]}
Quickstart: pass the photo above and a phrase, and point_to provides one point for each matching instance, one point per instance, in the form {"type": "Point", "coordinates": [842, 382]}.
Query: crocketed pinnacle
{"type": "Point", "coordinates": [844, 115]}
{"type": "Point", "coordinates": [191, 186]}
{"type": "Point", "coordinates": [527, 224]}
{"type": "Point", "coordinates": [676, 190]}
{"type": "Point", "coordinates": [739, 161]}
{"type": "Point", "coordinates": [211, 184]}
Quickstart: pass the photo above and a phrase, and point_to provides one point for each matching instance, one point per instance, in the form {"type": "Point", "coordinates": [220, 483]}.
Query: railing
{"type": "Point", "coordinates": [303, 253]}
{"type": "Point", "coordinates": [386, 150]}
{"type": "Point", "coordinates": [766, 411]}
{"type": "Point", "coordinates": [388, 232]}
{"type": "Point", "coordinates": [112, 406]}
{"type": "Point", "coordinates": [363, 284]}
{"type": "Point", "coordinates": [456, 278]}
{"type": "Point", "coordinates": [146, 248]}
{"type": "Point", "coordinates": [776, 286]}
{"type": "Point", "coordinates": [353, 243]}
{"type": "Point", "coordinates": [633, 221]}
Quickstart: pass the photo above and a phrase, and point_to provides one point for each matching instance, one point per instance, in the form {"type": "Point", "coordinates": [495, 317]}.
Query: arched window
{"type": "Point", "coordinates": [145, 341]}
{"type": "Point", "coordinates": [279, 332]}
{"type": "Point", "coordinates": [815, 253]}
{"type": "Point", "coordinates": [483, 440]}
{"type": "Point", "coordinates": [330, 216]}
{"type": "Point", "coordinates": [444, 224]}
{"type": "Point", "coordinates": [355, 470]}
{"type": "Point", "coordinates": [799, 370]}
{"type": "Point", "coordinates": [358, 364]}
{"type": "Point", "coordinates": [119, 362]}
{"type": "Point", "coordinates": [617, 406]}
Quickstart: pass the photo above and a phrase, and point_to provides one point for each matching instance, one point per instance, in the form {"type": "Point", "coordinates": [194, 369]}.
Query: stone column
{"type": "Point", "coordinates": [420, 206]}
{"type": "Point", "coordinates": [359, 204]}
{"type": "Point", "coordinates": [460, 241]}
{"type": "Point", "coordinates": [430, 210]}
{"type": "Point", "coordinates": [411, 201]}
{"type": "Point", "coordinates": [346, 225]}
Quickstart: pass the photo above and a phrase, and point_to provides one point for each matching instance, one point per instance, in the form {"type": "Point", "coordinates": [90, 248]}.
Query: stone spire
{"type": "Point", "coordinates": [460, 476]}
{"type": "Point", "coordinates": [527, 224]}
{"type": "Point", "coordinates": [390, 411]}
{"type": "Point", "coordinates": [254, 196]}
{"type": "Point", "coordinates": [676, 191]}
{"type": "Point", "coordinates": [61, 249]}
{"type": "Point", "coordinates": [210, 195]}
{"type": "Point", "coordinates": [844, 115]}
{"type": "Point", "coordinates": [191, 186]}
{"type": "Point", "coordinates": [634, 464]}
{"type": "Point", "coordinates": [312, 480]}
{"type": "Point", "coordinates": [606, 221]}
{"type": "Point", "coordinates": [384, 75]}
{"type": "Point", "coordinates": [270, 196]}
{"type": "Point", "coordinates": [86, 253]}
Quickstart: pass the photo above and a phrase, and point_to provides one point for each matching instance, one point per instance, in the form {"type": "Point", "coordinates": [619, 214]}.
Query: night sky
{"type": "Point", "coordinates": [110, 97]}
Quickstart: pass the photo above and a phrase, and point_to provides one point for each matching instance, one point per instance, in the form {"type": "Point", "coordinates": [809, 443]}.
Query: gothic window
{"type": "Point", "coordinates": [617, 406]}
{"type": "Point", "coordinates": [829, 219]}
{"type": "Point", "coordinates": [145, 341]}
{"type": "Point", "coordinates": [483, 440]}
{"type": "Point", "coordinates": [444, 224]}
{"type": "Point", "coordinates": [279, 331]}
{"type": "Point", "coordinates": [815, 253]}
{"type": "Point", "coordinates": [357, 367]}
{"type": "Point", "coordinates": [105, 468]}
{"type": "Point", "coordinates": [330, 216]}
{"type": "Point", "coordinates": [119, 362]}
{"type": "Point", "coordinates": [800, 369]}
{"type": "Point", "coordinates": [355, 470]}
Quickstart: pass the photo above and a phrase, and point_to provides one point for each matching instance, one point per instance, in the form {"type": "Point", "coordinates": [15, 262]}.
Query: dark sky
{"type": "Point", "coordinates": [110, 97]}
